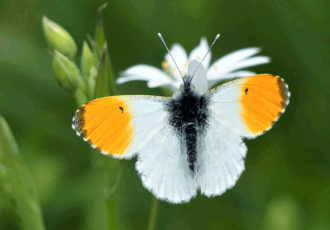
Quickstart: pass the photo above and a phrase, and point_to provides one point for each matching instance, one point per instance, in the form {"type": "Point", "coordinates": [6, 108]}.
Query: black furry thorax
{"type": "Point", "coordinates": [188, 115]}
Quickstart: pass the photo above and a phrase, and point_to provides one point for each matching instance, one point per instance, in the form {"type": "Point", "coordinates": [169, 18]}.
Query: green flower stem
{"type": "Point", "coordinates": [92, 83]}
{"type": "Point", "coordinates": [16, 183]}
{"type": "Point", "coordinates": [109, 171]}
{"type": "Point", "coordinates": [79, 97]}
{"type": "Point", "coordinates": [153, 213]}
{"type": "Point", "coordinates": [111, 214]}
{"type": "Point", "coordinates": [104, 87]}
{"type": "Point", "coordinates": [112, 167]}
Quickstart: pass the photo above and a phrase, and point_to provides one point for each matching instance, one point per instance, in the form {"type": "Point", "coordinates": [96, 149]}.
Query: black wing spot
{"type": "Point", "coordinates": [246, 90]}
{"type": "Point", "coordinates": [121, 109]}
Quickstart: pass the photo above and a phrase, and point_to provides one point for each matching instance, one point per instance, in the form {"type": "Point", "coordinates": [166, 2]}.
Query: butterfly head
{"type": "Point", "coordinates": [196, 80]}
{"type": "Point", "coordinates": [193, 84]}
{"type": "Point", "coordinates": [187, 85]}
{"type": "Point", "coordinates": [186, 88]}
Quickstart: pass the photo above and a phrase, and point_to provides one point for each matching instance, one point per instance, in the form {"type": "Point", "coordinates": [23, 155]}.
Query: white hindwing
{"type": "Point", "coordinates": [222, 152]}
{"type": "Point", "coordinates": [220, 159]}
{"type": "Point", "coordinates": [163, 167]}
{"type": "Point", "coordinates": [162, 159]}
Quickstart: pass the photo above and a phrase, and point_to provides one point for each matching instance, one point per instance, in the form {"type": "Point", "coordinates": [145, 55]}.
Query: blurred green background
{"type": "Point", "coordinates": [286, 184]}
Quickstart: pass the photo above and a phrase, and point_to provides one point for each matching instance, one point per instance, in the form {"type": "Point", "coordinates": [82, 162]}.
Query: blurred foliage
{"type": "Point", "coordinates": [286, 182]}
{"type": "Point", "coordinates": [16, 186]}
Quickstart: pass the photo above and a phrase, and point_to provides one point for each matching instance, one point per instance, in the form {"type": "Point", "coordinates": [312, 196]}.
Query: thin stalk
{"type": "Point", "coordinates": [111, 214]}
{"type": "Point", "coordinates": [153, 213]}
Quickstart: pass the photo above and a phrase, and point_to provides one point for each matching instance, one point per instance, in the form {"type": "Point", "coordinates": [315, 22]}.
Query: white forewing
{"type": "Point", "coordinates": [149, 115]}
{"type": "Point", "coordinates": [225, 107]}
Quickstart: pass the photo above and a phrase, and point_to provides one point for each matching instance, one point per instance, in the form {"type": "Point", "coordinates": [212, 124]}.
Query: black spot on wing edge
{"type": "Point", "coordinates": [78, 122]}
{"type": "Point", "coordinates": [284, 92]}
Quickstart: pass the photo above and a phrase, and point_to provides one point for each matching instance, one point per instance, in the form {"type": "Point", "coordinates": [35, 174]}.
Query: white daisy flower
{"type": "Point", "coordinates": [228, 67]}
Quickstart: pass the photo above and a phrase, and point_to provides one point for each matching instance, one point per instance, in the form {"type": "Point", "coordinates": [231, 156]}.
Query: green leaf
{"type": "Point", "coordinates": [96, 50]}
{"type": "Point", "coordinates": [99, 30]}
{"type": "Point", "coordinates": [110, 75]}
{"type": "Point", "coordinates": [58, 38]}
{"type": "Point", "coordinates": [98, 45]}
{"type": "Point", "coordinates": [16, 184]}
{"type": "Point", "coordinates": [101, 85]}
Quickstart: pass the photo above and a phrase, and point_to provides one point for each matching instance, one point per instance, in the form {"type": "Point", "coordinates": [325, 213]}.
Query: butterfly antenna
{"type": "Point", "coordinates": [215, 40]}
{"type": "Point", "coordinates": [163, 41]}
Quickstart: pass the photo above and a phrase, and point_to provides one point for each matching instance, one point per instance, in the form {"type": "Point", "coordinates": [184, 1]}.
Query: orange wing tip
{"type": "Point", "coordinates": [77, 125]}
{"type": "Point", "coordinates": [285, 93]}
{"type": "Point", "coordinates": [258, 116]}
{"type": "Point", "coordinates": [111, 108]}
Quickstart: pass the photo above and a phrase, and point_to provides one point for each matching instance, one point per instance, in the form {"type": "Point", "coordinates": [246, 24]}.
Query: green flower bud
{"type": "Point", "coordinates": [66, 72]}
{"type": "Point", "coordinates": [87, 61]}
{"type": "Point", "coordinates": [89, 70]}
{"type": "Point", "coordinates": [80, 97]}
{"type": "Point", "coordinates": [58, 38]}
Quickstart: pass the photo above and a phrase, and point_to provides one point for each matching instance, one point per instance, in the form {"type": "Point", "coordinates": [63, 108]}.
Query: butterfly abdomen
{"type": "Point", "coordinates": [188, 117]}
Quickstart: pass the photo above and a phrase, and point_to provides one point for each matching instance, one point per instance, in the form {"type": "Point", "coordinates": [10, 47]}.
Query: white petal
{"type": "Point", "coordinates": [235, 61]}
{"type": "Point", "coordinates": [258, 60]}
{"type": "Point", "coordinates": [172, 85]}
{"type": "Point", "coordinates": [199, 52]}
{"type": "Point", "coordinates": [237, 74]}
{"type": "Point", "coordinates": [154, 76]}
{"type": "Point", "coordinates": [200, 78]}
{"type": "Point", "coordinates": [181, 59]}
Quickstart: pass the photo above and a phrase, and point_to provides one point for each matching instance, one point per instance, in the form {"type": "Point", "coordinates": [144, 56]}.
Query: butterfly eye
{"type": "Point", "coordinates": [193, 87]}
{"type": "Point", "coordinates": [181, 87]}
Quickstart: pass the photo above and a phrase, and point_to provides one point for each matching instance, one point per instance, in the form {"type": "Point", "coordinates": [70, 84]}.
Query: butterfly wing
{"type": "Point", "coordinates": [244, 108]}
{"type": "Point", "coordinates": [119, 125]}
{"type": "Point", "coordinates": [163, 167]}
{"type": "Point", "coordinates": [122, 126]}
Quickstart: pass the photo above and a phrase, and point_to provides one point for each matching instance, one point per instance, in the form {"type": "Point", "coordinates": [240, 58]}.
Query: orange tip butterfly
{"type": "Point", "coordinates": [191, 141]}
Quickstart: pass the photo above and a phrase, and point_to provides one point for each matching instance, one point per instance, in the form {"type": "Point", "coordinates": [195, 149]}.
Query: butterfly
{"type": "Point", "coordinates": [188, 142]}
